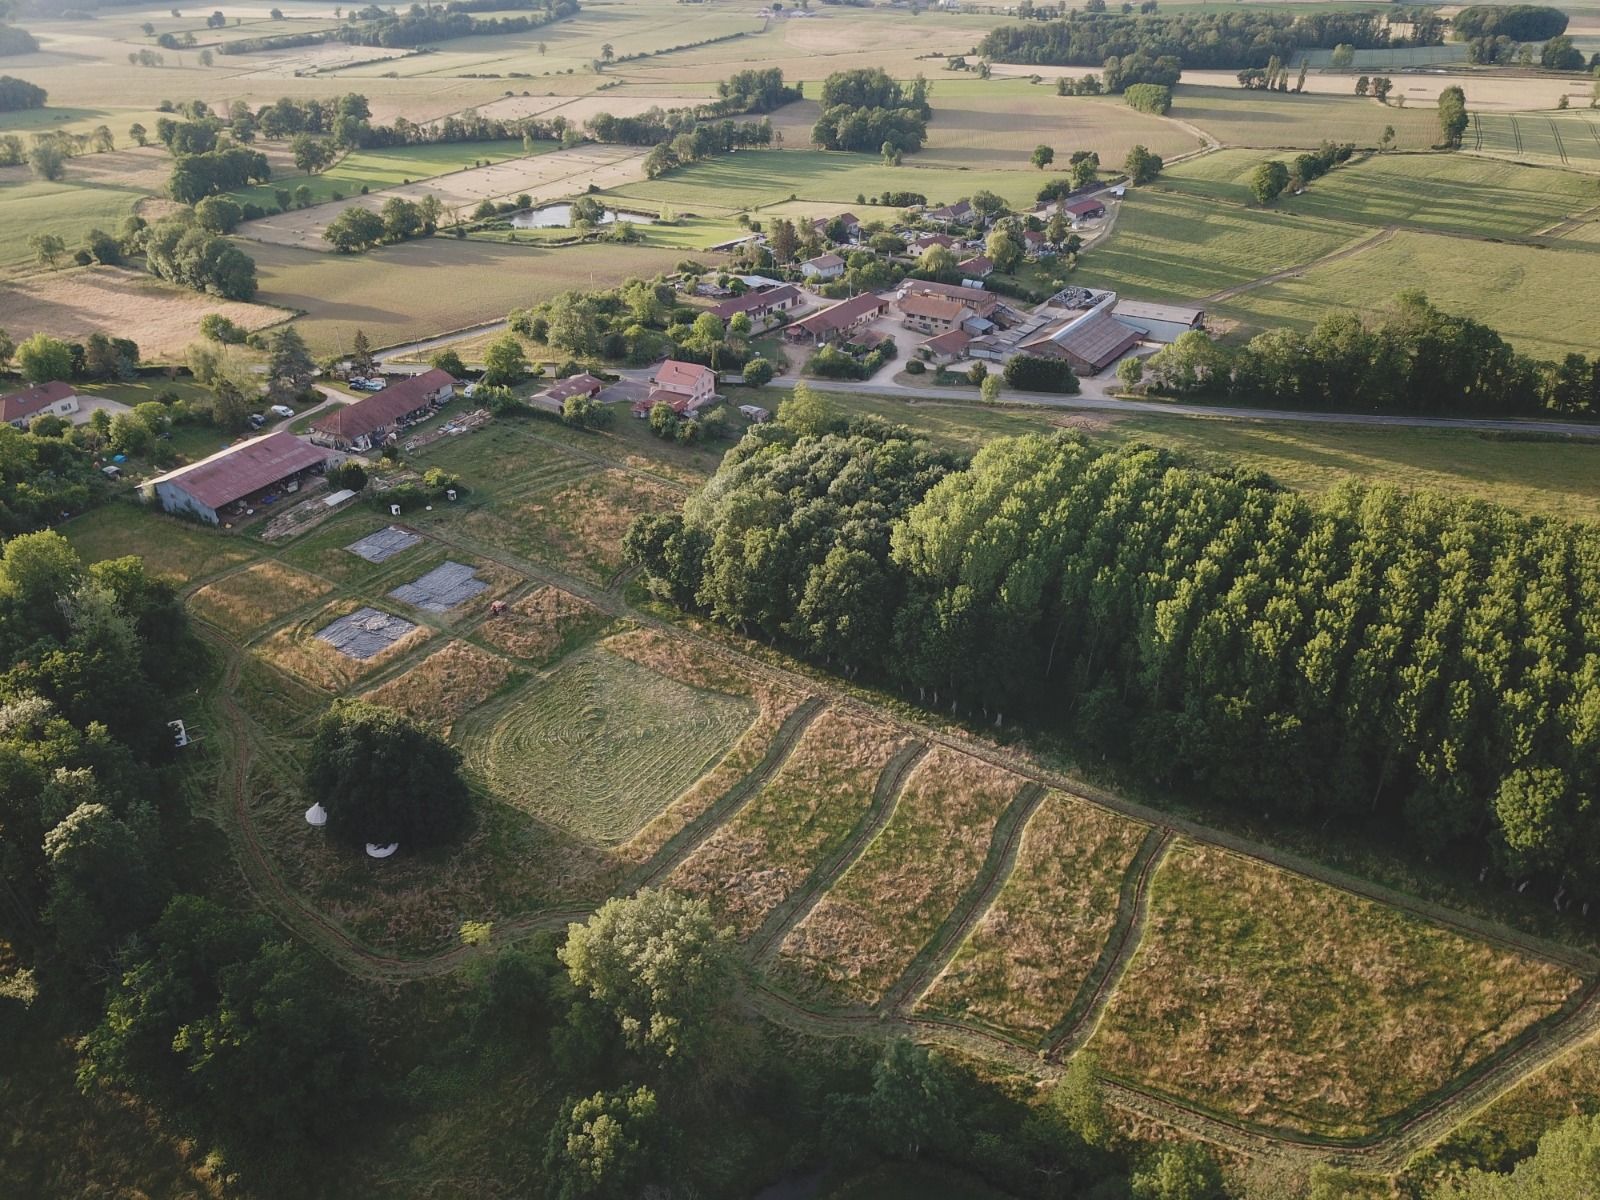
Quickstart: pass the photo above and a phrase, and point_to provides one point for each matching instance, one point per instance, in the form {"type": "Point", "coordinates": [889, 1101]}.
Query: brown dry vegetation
{"type": "Point", "coordinates": [295, 649]}
{"type": "Point", "coordinates": [1024, 963]}
{"type": "Point", "coordinates": [259, 595]}
{"type": "Point", "coordinates": [540, 625]}
{"type": "Point", "coordinates": [160, 317]}
{"type": "Point", "coordinates": [865, 933]}
{"type": "Point", "coordinates": [758, 859]}
{"type": "Point", "coordinates": [450, 681]}
{"type": "Point", "coordinates": [580, 528]}
{"type": "Point", "coordinates": [1273, 997]}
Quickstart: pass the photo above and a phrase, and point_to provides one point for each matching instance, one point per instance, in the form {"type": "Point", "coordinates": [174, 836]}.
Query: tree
{"type": "Point", "coordinates": [601, 1148]}
{"type": "Point", "coordinates": [311, 154]}
{"type": "Point", "coordinates": [1343, 57]}
{"type": "Point", "coordinates": [47, 160]}
{"type": "Point", "coordinates": [218, 214]}
{"type": "Point", "coordinates": [449, 362]}
{"type": "Point", "coordinates": [1078, 1101]}
{"type": "Point", "coordinates": [810, 413]}
{"type": "Point", "coordinates": [42, 358]}
{"type": "Point", "coordinates": [1141, 166]}
{"type": "Point", "coordinates": [1130, 371]}
{"type": "Point", "coordinates": [658, 963]}
{"type": "Point", "coordinates": [1268, 180]}
{"type": "Point", "coordinates": [607, 53]}
{"type": "Point", "coordinates": [1386, 139]}
{"type": "Point", "coordinates": [937, 263]}
{"type": "Point", "coordinates": [1566, 1164]}
{"type": "Point", "coordinates": [987, 204]}
{"type": "Point", "coordinates": [361, 352]}
{"type": "Point", "coordinates": [585, 412]}
{"type": "Point", "coordinates": [1382, 85]}
{"type": "Point", "coordinates": [1042, 156]}
{"type": "Point", "coordinates": [1363, 86]}
{"type": "Point", "coordinates": [289, 364]}
{"type": "Point", "coordinates": [355, 229]}
{"type": "Point", "coordinates": [1084, 171]}
{"type": "Point", "coordinates": [139, 134]}
{"type": "Point", "coordinates": [504, 362]}
{"type": "Point", "coordinates": [989, 389]}
{"type": "Point", "coordinates": [912, 1102]}
{"type": "Point", "coordinates": [384, 777]}
{"type": "Point", "coordinates": [1179, 1172]}
{"type": "Point", "coordinates": [1452, 116]}
{"type": "Point", "coordinates": [206, 58]}
{"type": "Point", "coordinates": [8, 347]}
{"type": "Point", "coordinates": [1004, 250]}
{"type": "Point", "coordinates": [47, 247]}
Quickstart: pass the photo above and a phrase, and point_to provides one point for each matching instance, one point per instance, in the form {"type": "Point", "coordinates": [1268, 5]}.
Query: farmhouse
{"type": "Point", "coordinates": [1089, 342]}
{"type": "Point", "coordinates": [555, 396]}
{"type": "Point", "coordinates": [981, 303]}
{"type": "Point", "coordinates": [958, 213]}
{"type": "Point", "coordinates": [762, 307]}
{"type": "Point", "coordinates": [824, 266]}
{"type": "Point", "coordinates": [370, 422]}
{"type": "Point", "coordinates": [935, 314]}
{"type": "Point", "coordinates": [946, 347]}
{"type": "Point", "coordinates": [927, 241]}
{"type": "Point", "coordinates": [55, 399]}
{"type": "Point", "coordinates": [686, 387]}
{"type": "Point", "coordinates": [1034, 243]}
{"type": "Point", "coordinates": [1160, 322]}
{"type": "Point", "coordinates": [238, 476]}
{"type": "Point", "coordinates": [977, 267]}
{"type": "Point", "coordinates": [838, 320]}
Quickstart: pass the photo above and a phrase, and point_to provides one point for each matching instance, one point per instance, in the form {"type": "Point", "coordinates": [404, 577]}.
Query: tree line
{"type": "Point", "coordinates": [1421, 667]}
{"type": "Point", "coordinates": [1222, 41]}
{"type": "Point", "coordinates": [417, 26]}
{"type": "Point", "coordinates": [1413, 358]}
{"type": "Point", "coordinates": [18, 94]}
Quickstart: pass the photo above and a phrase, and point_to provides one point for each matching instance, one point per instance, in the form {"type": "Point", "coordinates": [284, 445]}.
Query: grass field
{"type": "Point", "coordinates": [390, 167]}
{"type": "Point", "coordinates": [1172, 246]}
{"type": "Point", "coordinates": [450, 682]}
{"type": "Point", "coordinates": [1453, 193]}
{"type": "Point", "coordinates": [68, 210]}
{"type": "Point", "coordinates": [1236, 117]}
{"type": "Point", "coordinates": [1570, 139]}
{"type": "Point", "coordinates": [602, 745]}
{"type": "Point", "coordinates": [761, 857]}
{"type": "Point", "coordinates": [1272, 997]}
{"type": "Point", "coordinates": [869, 927]}
{"type": "Point", "coordinates": [242, 603]}
{"type": "Point", "coordinates": [1021, 967]}
{"type": "Point", "coordinates": [753, 178]}
{"type": "Point", "coordinates": [468, 283]}
{"type": "Point", "coordinates": [168, 546]}
{"type": "Point", "coordinates": [1545, 302]}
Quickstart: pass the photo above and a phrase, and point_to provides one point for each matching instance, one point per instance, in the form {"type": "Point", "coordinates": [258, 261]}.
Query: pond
{"type": "Point", "coordinates": [556, 216]}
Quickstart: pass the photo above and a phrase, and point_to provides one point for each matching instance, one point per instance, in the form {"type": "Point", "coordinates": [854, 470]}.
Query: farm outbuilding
{"type": "Point", "coordinates": [555, 396]}
{"type": "Point", "coordinates": [236, 477]}
{"type": "Point", "coordinates": [1089, 343]}
{"type": "Point", "coordinates": [1160, 322]}
{"type": "Point", "coordinates": [838, 321]}
{"type": "Point", "coordinates": [367, 423]}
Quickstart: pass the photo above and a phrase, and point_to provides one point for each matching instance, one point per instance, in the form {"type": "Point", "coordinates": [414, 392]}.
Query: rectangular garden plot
{"type": "Point", "coordinates": [1022, 966]}
{"type": "Point", "coordinates": [447, 586]}
{"type": "Point", "coordinates": [1271, 997]}
{"type": "Point", "coordinates": [451, 681]}
{"type": "Point", "coordinates": [385, 544]}
{"type": "Point", "coordinates": [365, 633]}
{"type": "Point", "coordinates": [864, 934]}
{"type": "Point", "coordinates": [602, 744]}
{"type": "Point", "coordinates": [761, 857]}
{"type": "Point", "coordinates": [259, 595]}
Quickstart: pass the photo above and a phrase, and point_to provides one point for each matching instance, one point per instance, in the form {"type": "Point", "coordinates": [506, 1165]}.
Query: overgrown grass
{"type": "Point", "coordinates": [296, 649]}
{"type": "Point", "coordinates": [1271, 997]}
{"type": "Point", "coordinates": [761, 857]}
{"type": "Point", "coordinates": [865, 932]}
{"type": "Point", "coordinates": [261, 594]}
{"type": "Point", "coordinates": [448, 683]}
{"type": "Point", "coordinates": [177, 549]}
{"type": "Point", "coordinates": [1021, 967]}
{"type": "Point", "coordinates": [541, 626]}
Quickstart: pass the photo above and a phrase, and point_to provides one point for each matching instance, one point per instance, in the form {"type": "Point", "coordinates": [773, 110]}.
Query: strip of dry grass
{"type": "Point", "coordinates": [243, 602]}
{"type": "Point", "coordinates": [449, 682]}
{"type": "Point", "coordinates": [865, 932]}
{"type": "Point", "coordinates": [541, 625]}
{"type": "Point", "coordinates": [1021, 967]}
{"type": "Point", "coordinates": [1270, 996]}
{"type": "Point", "coordinates": [761, 857]}
{"type": "Point", "coordinates": [295, 649]}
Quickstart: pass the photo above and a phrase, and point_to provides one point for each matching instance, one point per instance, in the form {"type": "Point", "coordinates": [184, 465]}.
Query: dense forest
{"type": "Point", "coordinates": [1411, 664]}
{"type": "Point", "coordinates": [1519, 22]}
{"type": "Point", "coordinates": [1219, 40]}
{"type": "Point", "coordinates": [866, 110]}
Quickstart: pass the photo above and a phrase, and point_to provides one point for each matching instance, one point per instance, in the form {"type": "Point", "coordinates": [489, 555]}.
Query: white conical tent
{"type": "Point", "coordinates": [317, 815]}
{"type": "Point", "coordinates": [376, 851]}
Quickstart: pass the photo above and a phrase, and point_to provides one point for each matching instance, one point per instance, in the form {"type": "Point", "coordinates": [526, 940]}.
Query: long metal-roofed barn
{"type": "Point", "coordinates": [365, 424]}
{"type": "Point", "coordinates": [238, 474]}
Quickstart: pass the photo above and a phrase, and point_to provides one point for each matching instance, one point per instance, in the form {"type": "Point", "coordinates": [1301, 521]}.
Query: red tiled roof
{"type": "Point", "coordinates": [25, 403]}
{"type": "Point", "coordinates": [951, 341]}
{"type": "Point", "coordinates": [248, 467]}
{"type": "Point", "coordinates": [933, 308]}
{"type": "Point", "coordinates": [756, 301]}
{"type": "Point", "coordinates": [1081, 208]}
{"type": "Point", "coordinates": [978, 264]}
{"type": "Point", "coordinates": [574, 385]}
{"type": "Point", "coordinates": [682, 378]}
{"type": "Point", "coordinates": [841, 315]}
{"type": "Point", "coordinates": [382, 409]}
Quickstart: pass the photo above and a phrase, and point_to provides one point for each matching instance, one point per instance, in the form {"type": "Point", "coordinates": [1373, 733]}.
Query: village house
{"type": "Point", "coordinates": [685, 387]}
{"type": "Point", "coordinates": [762, 307]}
{"type": "Point", "coordinates": [1034, 243]}
{"type": "Point", "coordinates": [946, 347]}
{"type": "Point", "coordinates": [366, 424]}
{"type": "Point", "coordinates": [979, 266]}
{"type": "Point", "coordinates": [936, 314]}
{"type": "Point", "coordinates": [554, 397]}
{"type": "Point", "coordinates": [924, 242]}
{"type": "Point", "coordinates": [838, 321]}
{"type": "Point", "coordinates": [822, 268]}
{"type": "Point", "coordinates": [54, 399]}
{"type": "Point", "coordinates": [237, 478]}
{"type": "Point", "coordinates": [959, 213]}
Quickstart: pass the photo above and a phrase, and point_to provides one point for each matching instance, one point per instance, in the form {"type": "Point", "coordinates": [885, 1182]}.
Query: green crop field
{"type": "Point", "coordinates": [1171, 246]}
{"type": "Point", "coordinates": [1271, 997]}
{"type": "Point", "coordinates": [761, 857]}
{"type": "Point", "coordinates": [1451, 193]}
{"type": "Point", "coordinates": [1570, 139]}
{"type": "Point", "coordinates": [390, 167]}
{"type": "Point", "coordinates": [602, 745]}
{"type": "Point", "coordinates": [871, 924]}
{"type": "Point", "coordinates": [67, 209]}
{"type": "Point", "coordinates": [1021, 967]}
{"type": "Point", "coordinates": [468, 282]}
{"type": "Point", "coordinates": [1237, 117]}
{"type": "Point", "coordinates": [1545, 302]}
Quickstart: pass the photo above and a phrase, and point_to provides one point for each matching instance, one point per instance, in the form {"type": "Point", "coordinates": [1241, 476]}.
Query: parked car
{"type": "Point", "coordinates": [282, 410]}
{"type": "Point", "coordinates": [257, 420]}
{"type": "Point", "coordinates": [470, 390]}
{"type": "Point", "coordinates": [367, 385]}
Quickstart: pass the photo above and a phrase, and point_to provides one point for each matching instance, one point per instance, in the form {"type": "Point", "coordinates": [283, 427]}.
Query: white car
{"type": "Point", "coordinates": [282, 410]}
{"type": "Point", "coordinates": [470, 391]}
